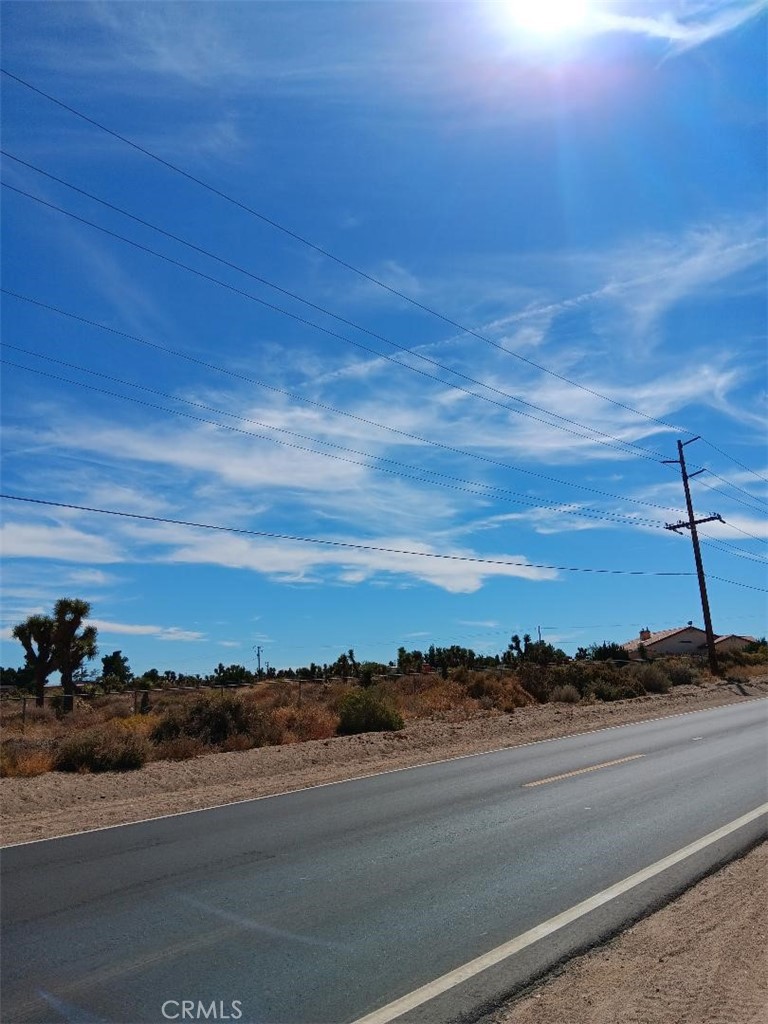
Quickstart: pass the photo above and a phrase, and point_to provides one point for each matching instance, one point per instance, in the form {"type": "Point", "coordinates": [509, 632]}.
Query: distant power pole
{"type": "Point", "coordinates": [258, 660]}
{"type": "Point", "coordinates": [691, 525]}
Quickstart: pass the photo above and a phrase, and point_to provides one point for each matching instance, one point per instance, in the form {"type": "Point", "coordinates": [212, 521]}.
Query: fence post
{"type": "Point", "coordinates": [23, 714]}
{"type": "Point", "coordinates": [135, 700]}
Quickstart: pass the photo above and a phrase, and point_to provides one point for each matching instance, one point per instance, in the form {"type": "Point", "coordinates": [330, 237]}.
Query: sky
{"type": "Point", "coordinates": [440, 285]}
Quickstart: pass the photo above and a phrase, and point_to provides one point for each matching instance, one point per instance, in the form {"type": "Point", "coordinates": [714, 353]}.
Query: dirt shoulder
{"type": "Point", "coordinates": [700, 960]}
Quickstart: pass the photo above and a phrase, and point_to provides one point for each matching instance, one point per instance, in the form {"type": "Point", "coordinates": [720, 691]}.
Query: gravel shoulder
{"type": "Point", "coordinates": [700, 960]}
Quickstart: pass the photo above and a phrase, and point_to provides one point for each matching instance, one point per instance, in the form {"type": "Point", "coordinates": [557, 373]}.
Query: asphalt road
{"type": "Point", "coordinates": [326, 904]}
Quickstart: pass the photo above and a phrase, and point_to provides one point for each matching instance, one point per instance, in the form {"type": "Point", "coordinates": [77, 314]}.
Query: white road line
{"type": "Point", "coordinates": [386, 771]}
{"type": "Point", "coordinates": [495, 956]}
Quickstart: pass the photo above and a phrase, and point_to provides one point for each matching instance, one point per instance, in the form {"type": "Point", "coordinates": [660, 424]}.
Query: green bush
{"type": "Point", "coordinates": [105, 749]}
{"type": "Point", "coordinates": [363, 711]}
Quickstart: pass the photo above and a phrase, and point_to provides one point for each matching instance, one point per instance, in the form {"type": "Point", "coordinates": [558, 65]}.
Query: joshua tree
{"type": "Point", "coordinates": [36, 636]}
{"type": "Point", "coordinates": [71, 643]}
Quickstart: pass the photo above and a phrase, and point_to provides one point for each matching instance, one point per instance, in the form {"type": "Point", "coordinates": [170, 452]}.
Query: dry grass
{"type": "Point", "coordinates": [24, 759]}
{"type": "Point", "coordinates": [271, 713]}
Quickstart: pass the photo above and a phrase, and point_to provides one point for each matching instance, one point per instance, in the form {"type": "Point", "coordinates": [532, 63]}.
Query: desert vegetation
{"type": "Point", "coordinates": [115, 721]}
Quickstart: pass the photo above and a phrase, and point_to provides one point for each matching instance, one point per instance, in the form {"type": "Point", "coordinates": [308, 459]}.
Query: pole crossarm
{"type": "Point", "coordinates": [677, 527]}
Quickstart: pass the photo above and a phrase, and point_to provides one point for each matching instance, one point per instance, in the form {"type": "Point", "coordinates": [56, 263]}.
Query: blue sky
{"type": "Point", "coordinates": [589, 202]}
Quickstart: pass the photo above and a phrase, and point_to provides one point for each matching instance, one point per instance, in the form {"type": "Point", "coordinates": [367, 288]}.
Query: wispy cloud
{"type": "Point", "coordinates": [136, 629]}
{"type": "Point", "coordinates": [696, 24]}
{"type": "Point", "coordinates": [60, 542]}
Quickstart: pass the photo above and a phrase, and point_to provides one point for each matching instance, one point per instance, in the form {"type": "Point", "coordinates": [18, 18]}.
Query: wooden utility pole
{"type": "Point", "coordinates": [691, 525]}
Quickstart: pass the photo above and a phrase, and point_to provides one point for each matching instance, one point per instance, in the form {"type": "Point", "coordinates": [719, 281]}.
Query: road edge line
{"type": "Point", "coordinates": [446, 982]}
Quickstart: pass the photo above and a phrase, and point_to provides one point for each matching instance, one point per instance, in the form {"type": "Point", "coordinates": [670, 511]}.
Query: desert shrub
{"type": "Point", "coordinates": [141, 725]}
{"type": "Point", "coordinates": [565, 694]}
{"type": "Point", "coordinates": [103, 749]}
{"type": "Point", "coordinates": [238, 741]}
{"type": "Point", "coordinates": [483, 684]}
{"type": "Point", "coordinates": [24, 759]}
{"type": "Point", "coordinates": [211, 719]}
{"type": "Point", "coordinates": [679, 674]}
{"type": "Point", "coordinates": [40, 716]}
{"type": "Point", "coordinates": [364, 711]}
{"type": "Point", "coordinates": [653, 679]}
{"type": "Point", "coordinates": [537, 680]}
{"type": "Point", "coordinates": [182, 748]}
{"type": "Point", "coordinates": [263, 729]}
{"type": "Point", "coordinates": [433, 697]}
{"type": "Point", "coordinates": [309, 722]}
{"type": "Point", "coordinates": [214, 720]}
{"type": "Point", "coordinates": [620, 689]}
{"type": "Point", "coordinates": [117, 709]}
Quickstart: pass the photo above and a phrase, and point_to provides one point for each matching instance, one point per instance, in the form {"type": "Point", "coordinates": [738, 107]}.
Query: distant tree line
{"type": "Point", "coordinates": [63, 642]}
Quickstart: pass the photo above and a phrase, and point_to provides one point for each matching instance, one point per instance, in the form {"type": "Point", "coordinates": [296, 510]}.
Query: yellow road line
{"type": "Point", "coordinates": [581, 771]}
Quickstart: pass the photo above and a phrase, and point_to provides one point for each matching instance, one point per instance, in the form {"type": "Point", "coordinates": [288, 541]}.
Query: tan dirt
{"type": "Point", "coordinates": [701, 960]}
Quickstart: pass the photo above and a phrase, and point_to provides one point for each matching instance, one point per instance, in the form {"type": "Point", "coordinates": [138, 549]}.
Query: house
{"type": "Point", "coordinates": [733, 642]}
{"type": "Point", "coordinates": [681, 640]}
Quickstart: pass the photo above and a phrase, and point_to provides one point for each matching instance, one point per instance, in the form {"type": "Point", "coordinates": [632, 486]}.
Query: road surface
{"type": "Point", "coordinates": [327, 904]}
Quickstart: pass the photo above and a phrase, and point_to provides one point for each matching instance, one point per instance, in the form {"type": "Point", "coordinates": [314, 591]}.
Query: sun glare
{"type": "Point", "coordinates": [548, 17]}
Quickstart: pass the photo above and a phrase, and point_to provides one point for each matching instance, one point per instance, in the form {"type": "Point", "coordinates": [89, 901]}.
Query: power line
{"type": "Point", "coordinates": [741, 465]}
{"type": "Point", "coordinates": [488, 490]}
{"type": "Point", "coordinates": [329, 255]}
{"type": "Point", "coordinates": [587, 513]}
{"type": "Point", "coordinates": [329, 408]}
{"type": "Point", "coordinates": [625, 447]}
{"type": "Point", "coordinates": [351, 545]}
{"type": "Point", "coordinates": [283, 291]}
{"type": "Point", "coordinates": [752, 536]}
{"type": "Point", "coordinates": [735, 487]}
{"type": "Point", "coordinates": [736, 552]}
{"type": "Point", "coordinates": [732, 497]}
{"type": "Point", "coordinates": [271, 222]}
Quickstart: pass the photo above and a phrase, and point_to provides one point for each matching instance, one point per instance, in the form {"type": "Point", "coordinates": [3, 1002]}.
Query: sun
{"type": "Point", "coordinates": [548, 17]}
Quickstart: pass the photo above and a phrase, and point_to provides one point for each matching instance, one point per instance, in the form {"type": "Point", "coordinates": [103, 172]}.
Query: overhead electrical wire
{"type": "Point", "coordinates": [472, 559]}
{"type": "Point", "coordinates": [325, 252]}
{"type": "Point", "coordinates": [752, 536]}
{"type": "Point", "coordinates": [430, 476]}
{"type": "Point", "coordinates": [177, 353]}
{"type": "Point", "coordinates": [330, 313]}
{"type": "Point", "coordinates": [271, 222]}
{"type": "Point", "coordinates": [617, 443]}
{"type": "Point", "coordinates": [327, 312]}
{"type": "Point", "coordinates": [488, 490]}
{"type": "Point", "coordinates": [741, 465]}
{"type": "Point", "coordinates": [724, 494]}
{"type": "Point", "coordinates": [274, 286]}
